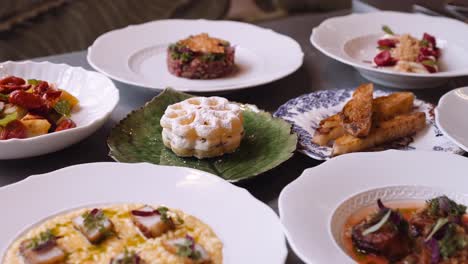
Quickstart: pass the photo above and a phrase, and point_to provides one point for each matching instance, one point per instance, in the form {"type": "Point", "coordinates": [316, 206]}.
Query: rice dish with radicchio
{"type": "Point", "coordinates": [201, 57]}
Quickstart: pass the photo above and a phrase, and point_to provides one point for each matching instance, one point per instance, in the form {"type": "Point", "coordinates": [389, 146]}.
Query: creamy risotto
{"type": "Point", "coordinates": [129, 233]}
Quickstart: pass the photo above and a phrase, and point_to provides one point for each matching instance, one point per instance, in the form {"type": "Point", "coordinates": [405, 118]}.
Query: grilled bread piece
{"type": "Point", "coordinates": [329, 129]}
{"type": "Point", "coordinates": [398, 127]}
{"type": "Point", "coordinates": [357, 113]}
{"type": "Point", "coordinates": [387, 107]}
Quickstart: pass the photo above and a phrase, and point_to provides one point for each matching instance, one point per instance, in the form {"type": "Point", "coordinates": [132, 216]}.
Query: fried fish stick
{"type": "Point", "coordinates": [398, 127]}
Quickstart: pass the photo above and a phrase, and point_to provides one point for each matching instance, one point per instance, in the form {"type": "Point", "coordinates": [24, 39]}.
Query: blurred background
{"type": "Point", "coordinates": [36, 28]}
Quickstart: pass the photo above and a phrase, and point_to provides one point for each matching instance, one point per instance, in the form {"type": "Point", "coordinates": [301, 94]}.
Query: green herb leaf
{"type": "Point", "coordinates": [63, 107]}
{"type": "Point", "coordinates": [429, 63]}
{"type": "Point", "coordinates": [387, 30]}
{"type": "Point", "coordinates": [452, 242]}
{"type": "Point", "coordinates": [384, 48]}
{"type": "Point", "coordinates": [185, 249]}
{"type": "Point", "coordinates": [379, 225]}
{"type": "Point", "coordinates": [42, 238]}
{"type": "Point", "coordinates": [163, 213]}
{"type": "Point", "coordinates": [4, 97]}
{"type": "Point", "coordinates": [33, 82]}
{"type": "Point", "coordinates": [439, 224]}
{"type": "Point", "coordinates": [424, 43]}
{"type": "Point", "coordinates": [8, 118]}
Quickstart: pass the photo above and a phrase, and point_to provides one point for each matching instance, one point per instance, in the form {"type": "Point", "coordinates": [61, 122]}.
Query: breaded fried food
{"type": "Point", "coordinates": [329, 129]}
{"type": "Point", "coordinates": [395, 128]}
{"type": "Point", "coordinates": [387, 107]}
{"type": "Point", "coordinates": [357, 113]}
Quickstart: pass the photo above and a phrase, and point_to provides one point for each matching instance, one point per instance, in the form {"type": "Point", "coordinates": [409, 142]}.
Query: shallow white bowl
{"type": "Point", "coordinates": [451, 116]}
{"type": "Point", "coordinates": [137, 54]}
{"type": "Point", "coordinates": [315, 206]}
{"type": "Point", "coordinates": [97, 94]}
{"type": "Point", "coordinates": [250, 230]}
{"type": "Point", "coordinates": [352, 39]}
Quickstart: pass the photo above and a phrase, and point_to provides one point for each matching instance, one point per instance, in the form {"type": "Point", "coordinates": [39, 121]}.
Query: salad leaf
{"type": "Point", "coordinates": [63, 107]}
{"type": "Point", "coordinates": [387, 30]}
{"type": "Point", "coordinates": [8, 118]}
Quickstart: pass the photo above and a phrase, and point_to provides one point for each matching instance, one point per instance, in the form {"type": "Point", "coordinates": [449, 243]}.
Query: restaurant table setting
{"type": "Point", "coordinates": [316, 138]}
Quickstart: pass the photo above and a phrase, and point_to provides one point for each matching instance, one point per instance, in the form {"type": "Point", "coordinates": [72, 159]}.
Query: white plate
{"type": "Point", "coordinates": [315, 206]}
{"type": "Point", "coordinates": [305, 113]}
{"type": "Point", "coordinates": [250, 230]}
{"type": "Point", "coordinates": [137, 54]}
{"type": "Point", "coordinates": [352, 40]}
{"type": "Point", "coordinates": [451, 116]}
{"type": "Point", "coordinates": [97, 94]}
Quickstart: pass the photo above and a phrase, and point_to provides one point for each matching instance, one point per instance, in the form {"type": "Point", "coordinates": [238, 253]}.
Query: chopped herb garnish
{"type": "Point", "coordinates": [8, 118]}
{"type": "Point", "coordinates": [452, 241]}
{"type": "Point", "coordinates": [424, 43]}
{"type": "Point", "coordinates": [187, 249]}
{"type": "Point", "coordinates": [128, 257]}
{"type": "Point", "coordinates": [443, 207]}
{"type": "Point", "coordinates": [429, 63]}
{"type": "Point", "coordinates": [41, 239]}
{"type": "Point", "coordinates": [387, 30]}
{"type": "Point", "coordinates": [94, 221]}
{"type": "Point", "coordinates": [4, 97]}
{"type": "Point", "coordinates": [384, 48]}
{"type": "Point", "coordinates": [213, 57]}
{"type": "Point", "coordinates": [33, 82]}
{"type": "Point", "coordinates": [162, 211]}
{"type": "Point", "coordinates": [63, 107]}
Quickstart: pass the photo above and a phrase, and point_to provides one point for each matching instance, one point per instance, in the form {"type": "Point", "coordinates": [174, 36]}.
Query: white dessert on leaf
{"type": "Point", "coordinates": [202, 127]}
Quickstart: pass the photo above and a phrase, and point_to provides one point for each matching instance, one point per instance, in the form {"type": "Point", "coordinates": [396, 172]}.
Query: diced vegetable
{"type": "Point", "coordinates": [63, 107]}
{"type": "Point", "coordinates": [35, 126]}
{"type": "Point", "coordinates": [72, 100]}
{"type": "Point", "coordinates": [8, 118]}
{"type": "Point", "coordinates": [33, 81]}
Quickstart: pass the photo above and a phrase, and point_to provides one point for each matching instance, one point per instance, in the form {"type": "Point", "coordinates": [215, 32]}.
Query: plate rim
{"type": "Point", "coordinates": [240, 86]}
{"type": "Point", "coordinates": [438, 116]}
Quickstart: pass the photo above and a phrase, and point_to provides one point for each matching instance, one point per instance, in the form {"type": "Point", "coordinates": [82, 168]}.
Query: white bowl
{"type": "Point", "coordinates": [352, 39]}
{"type": "Point", "coordinates": [250, 230]}
{"type": "Point", "coordinates": [314, 207]}
{"type": "Point", "coordinates": [451, 116]}
{"type": "Point", "coordinates": [97, 94]}
{"type": "Point", "coordinates": [136, 54]}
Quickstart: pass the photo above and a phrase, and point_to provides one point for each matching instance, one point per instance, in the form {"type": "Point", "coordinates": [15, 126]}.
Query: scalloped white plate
{"type": "Point", "coordinates": [451, 116]}
{"type": "Point", "coordinates": [313, 208]}
{"type": "Point", "coordinates": [250, 230]}
{"type": "Point", "coordinates": [97, 94]}
{"type": "Point", "coordinates": [136, 54]}
{"type": "Point", "coordinates": [352, 40]}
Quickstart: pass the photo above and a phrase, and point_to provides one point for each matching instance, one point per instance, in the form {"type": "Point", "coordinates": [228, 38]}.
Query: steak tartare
{"type": "Point", "coordinates": [201, 57]}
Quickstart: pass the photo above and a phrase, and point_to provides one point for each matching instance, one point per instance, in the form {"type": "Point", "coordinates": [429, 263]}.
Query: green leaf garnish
{"type": "Point", "coordinates": [42, 238]}
{"type": "Point", "coordinates": [429, 63]}
{"type": "Point", "coordinates": [424, 43]}
{"type": "Point", "coordinates": [439, 224]}
{"type": "Point", "coordinates": [379, 225]}
{"type": "Point", "coordinates": [63, 107]}
{"type": "Point", "coordinates": [4, 97]}
{"type": "Point", "coordinates": [185, 250]}
{"type": "Point", "coordinates": [384, 48]}
{"type": "Point", "coordinates": [8, 118]}
{"type": "Point", "coordinates": [33, 82]}
{"type": "Point", "coordinates": [387, 30]}
{"type": "Point", "coordinates": [94, 221]}
{"type": "Point", "coordinates": [162, 210]}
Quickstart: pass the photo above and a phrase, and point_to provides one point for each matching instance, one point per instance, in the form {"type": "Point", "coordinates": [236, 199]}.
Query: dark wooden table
{"type": "Point", "coordinates": [318, 72]}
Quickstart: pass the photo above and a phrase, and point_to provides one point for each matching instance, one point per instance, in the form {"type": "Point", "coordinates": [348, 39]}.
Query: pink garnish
{"type": "Point", "coordinates": [384, 58]}
{"type": "Point", "coordinates": [144, 213]}
{"type": "Point", "coordinates": [429, 38]}
{"type": "Point", "coordinates": [426, 52]}
{"type": "Point", "coordinates": [391, 43]}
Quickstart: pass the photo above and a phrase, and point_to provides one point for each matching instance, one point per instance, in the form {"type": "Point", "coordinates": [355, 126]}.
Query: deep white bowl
{"type": "Point", "coordinates": [352, 39]}
{"type": "Point", "coordinates": [97, 94]}
{"type": "Point", "coordinates": [250, 230]}
{"type": "Point", "coordinates": [314, 207]}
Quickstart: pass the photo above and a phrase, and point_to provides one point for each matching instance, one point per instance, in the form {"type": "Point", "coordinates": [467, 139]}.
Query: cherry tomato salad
{"type": "Point", "coordinates": [30, 108]}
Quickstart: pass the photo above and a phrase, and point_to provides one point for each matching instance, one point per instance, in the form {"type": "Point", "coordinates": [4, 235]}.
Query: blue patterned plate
{"type": "Point", "coordinates": [306, 111]}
